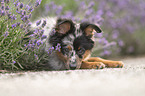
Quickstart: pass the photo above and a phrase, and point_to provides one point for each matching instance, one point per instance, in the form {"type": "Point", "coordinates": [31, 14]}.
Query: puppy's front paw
{"type": "Point", "coordinates": [114, 64]}
{"type": "Point", "coordinates": [119, 64]}
{"type": "Point", "coordinates": [98, 65]}
{"type": "Point", "coordinates": [92, 65]}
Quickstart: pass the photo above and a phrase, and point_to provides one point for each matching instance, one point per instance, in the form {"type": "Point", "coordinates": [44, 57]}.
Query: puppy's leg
{"type": "Point", "coordinates": [108, 63]}
{"type": "Point", "coordinates": [92, 65]}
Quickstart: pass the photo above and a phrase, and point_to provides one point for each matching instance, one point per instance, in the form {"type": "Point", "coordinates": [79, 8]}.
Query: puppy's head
{"type": "Point", "coordinates": [76, 41]}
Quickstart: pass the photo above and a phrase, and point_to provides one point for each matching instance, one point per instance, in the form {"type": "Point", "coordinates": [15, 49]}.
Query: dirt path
{"type": "Point", "coordinates": [127, 81]}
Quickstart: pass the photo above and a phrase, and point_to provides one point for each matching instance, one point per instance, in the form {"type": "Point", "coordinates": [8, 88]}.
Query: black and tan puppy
{"type": "Point", "coordinates": [76, 41]}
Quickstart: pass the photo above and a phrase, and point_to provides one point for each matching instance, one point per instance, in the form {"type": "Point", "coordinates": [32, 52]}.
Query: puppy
{"type": "Point", "coordinates": [76, 42]}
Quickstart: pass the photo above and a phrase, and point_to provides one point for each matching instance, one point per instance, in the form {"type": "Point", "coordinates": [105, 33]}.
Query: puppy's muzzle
{"type": "Point", "coordinates": [73, 65]}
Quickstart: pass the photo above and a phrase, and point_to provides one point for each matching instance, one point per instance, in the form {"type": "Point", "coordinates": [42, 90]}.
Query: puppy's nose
{"type": "Point", "coordinates": [73, 66]}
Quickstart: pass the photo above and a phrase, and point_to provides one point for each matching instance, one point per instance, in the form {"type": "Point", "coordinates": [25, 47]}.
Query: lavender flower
{"type": "Point", "coordinates": [18, 11]}
{"type": "Point", "coordinates": [15, 34]}
{"type": "Point", "coordinates": [6, 34]}
{"type": "Point", "coordinates": [59, 10]}
{"type": "Point", "coordinates": [36, 56]}
{"type": "Point", "coordinates": [29, 24]}
{"type": "Point", "coordinates": [7, 1]}
{"type": "Point", "coordinates": [21, 26]}
{"type": "Point", "coordinates": [98, 35]}
{"type": "Point", "coordinates": [120, 43]}
{"type": "Point", "coordinates": [91, 4]}
{"type": "Point", "coordinates": [44, 23]}
{"type": "Point", "coordinates": [16, 3]}
{"type": "Point", "coordinates": [21, 5]}
{"type": "Point", "coordinates": [43, 37]}
{"type": "Point", "coordinates": [30, 15]}
{"type": "Point", "coordinates": [7, 8]}
{"type": "Point", "coordinates": [30, 9]}
{"type": "Point", "coordinates": [12, 17]}
{"type": "Point", "coordinates": [18, 24]}
{"type": "Point", "coordinates": [3, 7]}
{"type": "Point", "coordinates": [58, 47]}
{"type": "Point", "coordinates": [37, 3]}
{"type": "Point", "coordinates": [3, 13]}
{"type": "Point", "coordinates": [14, 25]}
{"type": "Point", "coordinates": [38, 42]}
{"type": "Point", "coordinates": [14, 62]}
{"type": "Point", "coordinates": [106, 52]}
{"type": "Point", "coordinates": [50, 50]}
{"type": "Point", "coordinates": [38, 22]}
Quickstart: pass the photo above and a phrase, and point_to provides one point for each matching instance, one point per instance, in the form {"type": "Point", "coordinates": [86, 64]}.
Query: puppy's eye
{"type": "Point", "coordinates": [81, 51]}
{"type": "Point", "coordinates": [66, 50]}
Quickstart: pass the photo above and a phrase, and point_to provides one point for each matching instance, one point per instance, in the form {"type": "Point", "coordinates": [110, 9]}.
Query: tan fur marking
{"type": "Point", "coordinates": [89, 31]}
{"type": "Point", "coordinates": [92, 65]}
{"type": "Point", "coordinates": [61, 56]}
{"type": "Point", "coordinates": [87, 53]}
{"type": "Point", "coordinates": [108, 63]}
{"type": "Point", "coordinates": [69, 47]}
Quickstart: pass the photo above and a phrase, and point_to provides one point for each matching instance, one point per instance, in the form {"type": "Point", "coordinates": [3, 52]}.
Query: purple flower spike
{"type": "Point", "coordinates": [3, 13]}
{"type": "Point", "coordinates": [23, 12]}
{"type": "Point", "coordinates": [7, 1]}
{"type": "Point", "coordinates": [43, 37]}
{"type": "Point", "coordinates": [16, 3]}
{"type": "Point", "coordinates": [106, 52]}
{"type": "Point", "coordinates": [6, 34]}
{"type": "Point", "coordinates": [29, 24]}
{"type": "Point", "coordinates": [36, 56]}
{"type": "Point", "coordinates": [21, 5]}
{"type": "Point", "coordinates": [30, 15]}
{"type": "Point", "coordinates": [14, 25]}
{"type": "Point", "coordinates": [7, 8]}
{"type": "Point", "coordinates": [58, 47]}
{"type": "Point", "coordinates": [120, 43]}
{"type": "Point", "coordinates": [21, 26]}
{"type": "Point", "coordinates": [18, 23]}
{"type": "Point", "coordinates": [13, 17]}
{"type": "Point", "coordinates": [37, 3]}
{"type": "Point", "coordinates": [30, 9]}
{"type": "Point", "coordinates": [36, 31]}
{"type": "Point", "coordinates": [2, 7]}
{"type": "Point", "coordinates": [18, 11]}
{"type": "Point", "coordinates": [38, 22]}
{"type": "Point", "coordinates": [91, 4]}
{"type": "Point", "coordinates": [98, 35]}
{"type": "Point", "coordinates": [38, 42]}
{"type": "Point", "coordinates": [44, 23]}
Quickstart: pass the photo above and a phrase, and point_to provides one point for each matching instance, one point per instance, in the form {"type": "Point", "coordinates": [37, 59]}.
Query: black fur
{"type": "Point", "coordinates": [83, 41]}
{"type": "Point", "coordinates": [86, 24]}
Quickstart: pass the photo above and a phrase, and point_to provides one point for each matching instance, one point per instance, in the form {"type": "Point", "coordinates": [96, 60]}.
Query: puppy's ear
{"type": "Point", "coordinates": [63, 26]}
{"type": "Point", "coordinates": [90, 29]}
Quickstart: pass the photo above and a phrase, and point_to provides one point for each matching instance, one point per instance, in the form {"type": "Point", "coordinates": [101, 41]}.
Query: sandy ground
{"type": "Point", "coordinates": [127, 81]}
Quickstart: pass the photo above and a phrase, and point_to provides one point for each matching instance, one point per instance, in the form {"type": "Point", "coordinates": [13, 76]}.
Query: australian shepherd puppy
{"type": "Point", "coordinates": [76, 42]}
